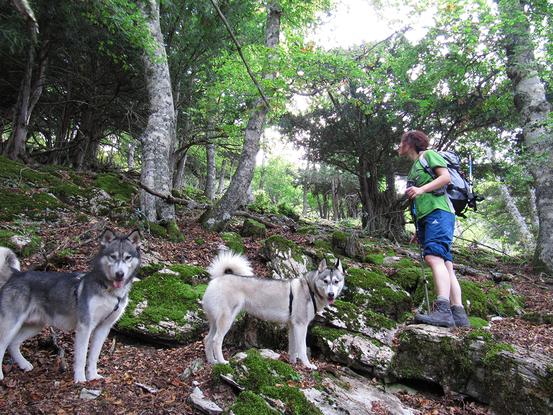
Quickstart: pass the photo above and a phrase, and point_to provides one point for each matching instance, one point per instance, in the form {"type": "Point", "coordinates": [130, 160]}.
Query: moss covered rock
{"type": "Point", "coordinates": [273, 379]}
{"type": "Point", "coordinates": [115, 186]}
{"type": "Point", "coordinates": [31, 242]}
{"type": "Point", "coordinates": [353, 349]}
{"type": "Point", "coordinates": [253, 228]}
{"type": "Point", "coordinates": [377, 292]}
{"type": "Point", "coordinates": [473, 364]}
{"type": "Point", "coordinates": [165, 307]}
{"type": "Point", "coordinates": [233, 241]}
{"type": "Point", "coordinates": [285, 258]}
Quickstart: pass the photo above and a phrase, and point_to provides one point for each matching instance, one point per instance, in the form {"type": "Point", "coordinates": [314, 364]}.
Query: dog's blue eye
{"type": "Point", "coordinates": [114, 257]}
{"type": "Point", "coordinates": [128, 258]}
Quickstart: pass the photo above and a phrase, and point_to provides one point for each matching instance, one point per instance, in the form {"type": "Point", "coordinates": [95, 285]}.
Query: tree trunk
{"type": "Point", "coordinates": [159, 137]}
{"type": "Point", "coordinates": [210, 174]}
{"type": "Point", "coordinates": [335, 201]}
{"type": "Point", "coordinates": [178, 181]}
{"type": "Point", "coordinates": [130, 155]}
{"type": "Point", "coordinates": [379, 216]}
{"type": "Point", "coordinates": [533, 107]}
{"type": "Point", "coordinates": [221, 184]}
{"type": "Point", "coordinates": [534, 209]}
{"type": "Point", "coordinates": [15, 147]}
{"type": "Point", "coordinates": [526, 235]}
{"type": "Point", "coordinates": [217, 217]}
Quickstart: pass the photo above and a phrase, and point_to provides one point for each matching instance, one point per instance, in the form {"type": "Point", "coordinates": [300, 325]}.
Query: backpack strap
{"type": "Point", "coordinates": [426, 166]}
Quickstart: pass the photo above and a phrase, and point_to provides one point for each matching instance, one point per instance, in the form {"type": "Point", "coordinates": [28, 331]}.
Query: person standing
{"type": "Point", "coordinates": [435, 222]}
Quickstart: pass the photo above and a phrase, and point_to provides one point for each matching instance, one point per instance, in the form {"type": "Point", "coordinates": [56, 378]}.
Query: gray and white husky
{"type": "Point", "coordinates": [87, 303]}
{"type": "Point", "coordinates": [233, 288]}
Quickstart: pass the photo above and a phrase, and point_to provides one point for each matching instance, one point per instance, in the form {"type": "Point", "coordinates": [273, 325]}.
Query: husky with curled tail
{"type": "Point", "coordinates": [233, 288]}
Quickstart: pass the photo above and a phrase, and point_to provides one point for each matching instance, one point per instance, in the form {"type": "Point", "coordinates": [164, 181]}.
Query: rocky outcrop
{"type": "Point", "coordinates": [508, 379]}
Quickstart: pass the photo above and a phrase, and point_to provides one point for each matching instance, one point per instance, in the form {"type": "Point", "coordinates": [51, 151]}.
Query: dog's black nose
{"type": "Point", "coordinates": [330, 295]}
{"type": "Point", "coordinates": [119, 275]}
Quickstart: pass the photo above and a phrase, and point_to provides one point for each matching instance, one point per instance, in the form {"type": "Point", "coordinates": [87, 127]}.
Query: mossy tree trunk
{"type": "Point", "coordinates": [159, 137]}
{"type": "Point", "coordinates": [534, 110]}
{"type": "Point", "coordinates": [217, 217]}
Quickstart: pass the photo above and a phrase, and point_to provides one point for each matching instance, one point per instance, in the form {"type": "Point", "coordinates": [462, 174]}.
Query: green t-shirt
{"type": "Point", "coordinates": [427, 202]}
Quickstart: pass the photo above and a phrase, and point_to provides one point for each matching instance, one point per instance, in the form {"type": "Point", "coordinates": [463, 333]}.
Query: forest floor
{"type": "Point", "coordinates": [146, 379]}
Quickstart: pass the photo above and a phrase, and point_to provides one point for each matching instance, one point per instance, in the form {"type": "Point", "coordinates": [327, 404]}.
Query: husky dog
{"type": "Point", "coordinates": [8, 263]}
{"type": "Point", "coordinates": [233, 288]}
{"type": "Point", "coordinates": [88, 303]}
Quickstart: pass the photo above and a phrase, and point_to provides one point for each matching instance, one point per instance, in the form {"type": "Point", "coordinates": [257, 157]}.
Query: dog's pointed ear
{"type": "Point", "coordinates": [135, 238]}
{"type": "Point", "coordinates": [322, 266]}
{"type": "Point", "coordinates": [338, 265]}
{"type": "Point", "coordinates": [107, 237]}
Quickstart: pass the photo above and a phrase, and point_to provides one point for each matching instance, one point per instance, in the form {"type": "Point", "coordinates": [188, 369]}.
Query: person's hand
{"type": "Point", "coordinates": [413, 191]}
{"type": "Point", "coordinates": [414, 239]}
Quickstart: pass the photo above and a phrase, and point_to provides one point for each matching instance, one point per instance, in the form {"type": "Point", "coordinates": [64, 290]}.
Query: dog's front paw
{"type": "Point", "coordinates": [79, 378]}
{"type": "Point", "coordinates": [310, 365]}
{"type": "Point", "coordinates": [25, 366]}
{"type": "Point", "coordinates": [94, 376]}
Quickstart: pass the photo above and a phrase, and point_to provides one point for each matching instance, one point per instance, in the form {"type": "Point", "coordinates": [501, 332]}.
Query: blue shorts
{"type": "Point", "coordinates": [435, 233]}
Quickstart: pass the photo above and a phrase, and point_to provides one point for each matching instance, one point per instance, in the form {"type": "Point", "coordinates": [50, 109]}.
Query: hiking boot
{"type": "Point", "coordinates": [460, 316]}
{"type": "Point", "coordinates": [440, 316]}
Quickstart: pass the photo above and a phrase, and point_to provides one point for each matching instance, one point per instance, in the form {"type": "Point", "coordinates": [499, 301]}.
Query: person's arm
{"type": "Point", "coordinates": [442, 179]}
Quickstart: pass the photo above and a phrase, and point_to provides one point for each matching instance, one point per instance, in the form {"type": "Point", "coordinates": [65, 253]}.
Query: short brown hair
{"type": "Point", "coordinates": [417, 139]}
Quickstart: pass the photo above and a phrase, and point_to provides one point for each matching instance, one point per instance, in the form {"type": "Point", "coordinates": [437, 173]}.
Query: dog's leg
{"type": "Point", "coordinates": [300, 331]}
{"type": "Point", "coordinates": [222, 326]}
{"type": "Point", "coordinates": [292, 347]}
{"type": "Point", "coordinates": [26, 332]}
{"type": "Point", "coordinates": [98, 338]}
{"type": "Point", "coordinates": [208, 344]}
{"type": "Point", "coordinates": [8, 333]}
{"type": "Point", "coordinates": [82, 338]}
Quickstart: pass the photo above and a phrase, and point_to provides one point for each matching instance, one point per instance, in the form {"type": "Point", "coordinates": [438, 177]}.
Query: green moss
{"type": "Point", "coordinates": [323, 245]}
{"type": "Point", "coordinates": [253, 228]}
{"type": "Point", "coordinates": [328, 333]}
{"type": "Point", "coordinates": [487, 299]}
{"type": "Point", "coordinates": [115, 186]}
{"type": "Point", "coordinates": [35, 205]}
{"type": "Point", "coordinates": [173, 232]}
{"type": "Point", "coordinates": [233, 241]}
{"type": "Point", "coordinates": [147, 270]}
{"type": "Point", "coordinates": [339, 239]}
{"type": "Point", "coordinates": [168, 298]}
{"type": "Point", "coordinates": [275, 379]}
{"type": "Point", "coordinates": [308, 230]}
{"type": "Point", "coordinates": [477, 322]}
{"type": "Point", "coordinates": [377, 259]}
{"type": "Point", "coordinates": [32, 247]}
{"type": "Point", "coordinates": [157, 230]}
{"type": "Point", "coordinates": [190, 274]}
{"type": "Point", "coordinates": [221, 369]}
{"type": "Point", "coordinates": [295, 401]}
{"type": "Point", "coordinates": [249, 403]}
{"type": "Point", "coordinates": [353, 316]}
{"type": "Point", "coordinates": [376, 292]}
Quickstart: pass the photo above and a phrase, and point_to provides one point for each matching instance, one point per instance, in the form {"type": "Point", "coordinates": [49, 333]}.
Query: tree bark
{"type": "Point", "coordinates": [160, 133]}
{"type": "Point", "coordinates": [526, 235]}
{"type": "Point", "coordinates": [532, 105]}
{"type": "Point", "coordinates": [210, 174]}
{"type": "Point", "coordinates": [26, 99]}
{"type": "Point", "coordinates": [217, 217]}
{"type": "Point", "coordinates": [221, 183]}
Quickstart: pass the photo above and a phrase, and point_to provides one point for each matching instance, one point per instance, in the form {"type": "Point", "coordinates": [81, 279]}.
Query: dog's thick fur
{"type": "Point", "coordinates": [88, 303]}
{"type": "Point", "coordinates": [233, 288]}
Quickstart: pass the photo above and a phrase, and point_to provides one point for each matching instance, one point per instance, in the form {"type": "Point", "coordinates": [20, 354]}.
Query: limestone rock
{"type": "Point", "coordinates": [508, 379]}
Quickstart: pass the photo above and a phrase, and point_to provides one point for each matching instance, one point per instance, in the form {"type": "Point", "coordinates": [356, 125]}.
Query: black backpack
{"type": "Point", "coordinates": [459, 191]}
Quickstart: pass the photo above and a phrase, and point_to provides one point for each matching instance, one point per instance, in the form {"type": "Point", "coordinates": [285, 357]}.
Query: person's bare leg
{"type": "Point", "coordinates": [440, 275]}
{"type": "Point", "coordinates": [455, 289]}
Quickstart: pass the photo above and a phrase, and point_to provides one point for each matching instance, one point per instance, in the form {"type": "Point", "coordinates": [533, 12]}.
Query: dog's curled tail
{"type": "Point", "coordinates": [8, 262]}
{"type": "Point", "coordinates": [228, 262]}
